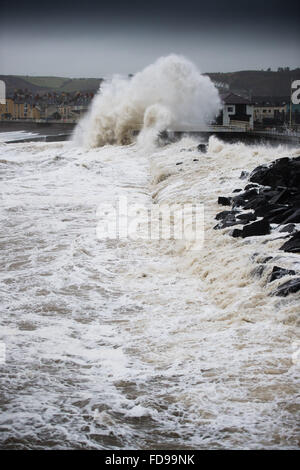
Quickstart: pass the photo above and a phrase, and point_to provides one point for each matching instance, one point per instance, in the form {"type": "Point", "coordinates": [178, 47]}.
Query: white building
{"type": "Point", "coordinates": [237, 111]}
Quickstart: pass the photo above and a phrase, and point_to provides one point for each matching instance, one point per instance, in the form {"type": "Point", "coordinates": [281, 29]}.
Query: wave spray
{"type": "Point", "coordinates": [169, 92]}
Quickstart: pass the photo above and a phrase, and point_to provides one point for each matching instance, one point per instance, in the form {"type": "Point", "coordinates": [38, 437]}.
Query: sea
{"type": "Point", "coordinates": [140, 342]}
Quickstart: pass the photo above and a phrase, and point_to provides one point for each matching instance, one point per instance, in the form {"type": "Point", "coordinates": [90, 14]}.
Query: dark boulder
{"type": "Point", "coordinates": [273, 194]}
{"type": "Point", "coordinates": [275, 213]}
{"type": "Point", "coordinates": [261, 227]}
{"type": "Point", "coordinates": [293, 244]}
{"type": "Point", "coordinates": [227, 219]}
{"type": "Point", "coordinates": [202, 148]}
{"type": "Point", "coordinates": [244, 197]}
{"type": "Point", "coordinates": [224, 201]}
{"type": "Point", "coordinates": [278, 272]}
{"type": "Point", "coordinates": [225, 224]}
{"type": "Point", "coordinates": [246, 217]}
{"type": "Point", "coordinates": [222, 215]}
{"type": "Point", "coordinates": [179, 163]}
{"type": "Point", "coordinates": [290, 228]}
{"type": "Point", "coordinates": [281, 215]}
{"type": "Point", "coordinates": [282, 172]}
{"type": "Point", "coordinates": [293, 217]}
{"type": "Point", "coordinates": [255, 202]}
{"type": "Point", "coordinates": [280, 197]}
{"type": "Point", "coordinates": [290, 287]}
{"type": "Point", "coordinates": [236, 233]}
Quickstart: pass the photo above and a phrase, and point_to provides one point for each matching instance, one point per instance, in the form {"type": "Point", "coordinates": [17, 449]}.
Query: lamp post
{"type": "Point", "coordinates": [291, 104]}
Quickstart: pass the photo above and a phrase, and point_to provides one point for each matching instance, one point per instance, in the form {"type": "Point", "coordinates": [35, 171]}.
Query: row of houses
{"type": "Point", "coordinates": [236, 110]}
{"type": "Point", "coordinates": [45, 107]}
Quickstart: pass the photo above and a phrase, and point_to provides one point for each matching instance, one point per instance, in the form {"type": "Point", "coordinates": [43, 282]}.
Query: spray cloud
{"type": "Point", "coordinates": [167, 93]}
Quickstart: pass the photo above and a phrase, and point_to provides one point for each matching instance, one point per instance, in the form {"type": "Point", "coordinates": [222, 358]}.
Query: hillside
{"type": "Point", "coordinates": [256, 82]}
{"type": "Point", "coordinates": [259, 83]}
{"type": "Point", "coordinates": [49, 84]}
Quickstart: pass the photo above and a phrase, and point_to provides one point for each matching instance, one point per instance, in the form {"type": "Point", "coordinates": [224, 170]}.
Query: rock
{"type": "Point", "coordinates": [255, 202]}
{"type": "Point", "coordinates": [276, 214]}
{"type": "Point", "coordinates": [227, 219]}
{"type": "Point", "coordinates": [224, 201]}
{"type": "Point", "coordinates": [202, 148]}
{"type": "Point", "coordinates": [293, 244]}
{"type": "Point", "coordinates": [261, 227]}
{"type": "Point", "coordinates": [236, 233]}
{"type": "Point", "coordinates": [243, 198]}
{"type": "Point", "coordinates": [288, 228]}
{"type": "Point", "coordinates": [195, 160]}
{"type": "Point", "coordinates": [290, 287]}
{"type": "Point", "coordinates": [280, 216]}
{"type": "Point", "coordinates": [179, 163]}
{"type": "Point", "coordinates": [225, 224]}
{"type": "Point", "coordinates": [244, 175]}
{"type": "Point", "coordinates": [246, 217]}
{"type": "Point", "coordinates": [281, 197]}
{"type": "Point", "coordinates": [222, 215]}
{"type": "Point", "coordinates": [282, 172]}
{"type": "Point", "coordinates": [273, 194]}
{"type": "Point", "coordinates": [278, 272]}
{"type": "Point", "coordinates": [294, 217]}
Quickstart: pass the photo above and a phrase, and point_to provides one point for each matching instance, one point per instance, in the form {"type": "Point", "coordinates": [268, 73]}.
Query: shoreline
{"type": "Point", "coordinates": [41, 128]}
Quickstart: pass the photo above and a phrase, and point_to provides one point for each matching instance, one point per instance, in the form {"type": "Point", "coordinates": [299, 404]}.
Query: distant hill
{"type": "Point", "coordinates": [255, 82]}
{"type": "Point", "coordinates": [259, 83]}
{"type": "Point", "coordinates": [49, 84]}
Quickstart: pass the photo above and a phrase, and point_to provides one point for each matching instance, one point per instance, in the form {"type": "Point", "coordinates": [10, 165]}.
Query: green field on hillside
{"type": "Point", "coordinates": [49, 84]}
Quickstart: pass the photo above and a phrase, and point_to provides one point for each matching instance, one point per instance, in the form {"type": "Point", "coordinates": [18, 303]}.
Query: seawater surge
{"type": "Point", "coordinates": [139, 343]}
{"type": "Point", "coordinates": [171, 91]}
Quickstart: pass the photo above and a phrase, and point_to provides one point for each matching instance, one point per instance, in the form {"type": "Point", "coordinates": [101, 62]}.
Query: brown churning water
{"type": "Point", "coordinates": [139, 343]}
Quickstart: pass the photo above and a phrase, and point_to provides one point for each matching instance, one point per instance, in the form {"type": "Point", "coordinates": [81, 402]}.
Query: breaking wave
{"type": "Point", "coordinates": [167, 93]}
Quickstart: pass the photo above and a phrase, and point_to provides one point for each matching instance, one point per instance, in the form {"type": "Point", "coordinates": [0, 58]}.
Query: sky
{"type": "Point", "coordinates": [94, 38]}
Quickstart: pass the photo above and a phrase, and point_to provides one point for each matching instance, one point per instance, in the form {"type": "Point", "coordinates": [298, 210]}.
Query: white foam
{"type": "Point", "coordinates": [16, 135]}
{"type": "Point", "coordinates": [138, 343]}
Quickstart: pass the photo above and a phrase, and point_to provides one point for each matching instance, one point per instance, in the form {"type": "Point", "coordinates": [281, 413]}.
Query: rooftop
{"type": "Point", "coordinates": [232, 98]}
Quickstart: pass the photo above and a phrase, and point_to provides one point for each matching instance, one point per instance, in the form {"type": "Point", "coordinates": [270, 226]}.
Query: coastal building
{"type": "Point", "coordinates": [237, 111]}
{"type": "Point", "coordinates": [19, 109]}
{"type": "Point", "coordinates": [71, 111]}
{"type": "Point", "coordinates": [270, 110]}
{"type": "Point", "coordinates": [293, 114]}
{"type": "Point", "coordinates": [7, 109]}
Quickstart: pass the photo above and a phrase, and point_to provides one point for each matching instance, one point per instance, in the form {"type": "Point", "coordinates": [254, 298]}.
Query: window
{"type": "Point", "coordinates": [230, 109]}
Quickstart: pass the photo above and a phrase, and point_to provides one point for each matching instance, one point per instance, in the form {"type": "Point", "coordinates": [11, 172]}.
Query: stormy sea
{"type": "Point", "coordinates": [131, 342]}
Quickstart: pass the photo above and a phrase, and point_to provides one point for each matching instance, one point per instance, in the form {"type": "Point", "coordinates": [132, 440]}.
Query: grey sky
{"type": "Point", "coordinates": [96, 42]}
